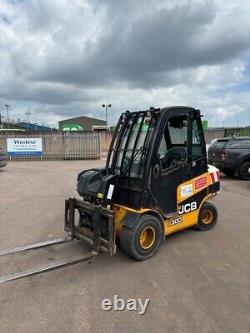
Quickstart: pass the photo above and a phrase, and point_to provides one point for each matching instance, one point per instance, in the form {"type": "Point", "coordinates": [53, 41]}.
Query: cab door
{"type": "Point", "coordinates": [180, 155]}
{"type": "Point", "coordinates": [171, 165]}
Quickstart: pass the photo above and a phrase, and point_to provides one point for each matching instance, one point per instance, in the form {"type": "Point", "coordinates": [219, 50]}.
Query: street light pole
{"type": "Point", "coordinates": [7, 113]}
{"type": "Point", "coordinates": [106, 106]}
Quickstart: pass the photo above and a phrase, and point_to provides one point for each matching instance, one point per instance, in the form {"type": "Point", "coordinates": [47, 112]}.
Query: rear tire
{"type": "Point", "coordinates": [207, 217]}
{"type": "Point", "coordinates": [144, 239]}
{"type": "Point", "coordinates": [244, 171]}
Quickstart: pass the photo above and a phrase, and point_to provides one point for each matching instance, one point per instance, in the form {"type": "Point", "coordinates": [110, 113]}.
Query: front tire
{"type": "Point", "coordinates": [143, 240]}
{"type": "Point", "coordinates": [207, 218]}
{"type": "Point", "coordinates": [244, 171]}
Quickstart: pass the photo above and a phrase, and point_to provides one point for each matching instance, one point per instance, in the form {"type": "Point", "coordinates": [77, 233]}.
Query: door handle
{"type": "Point", "coordinates": [156, 170]}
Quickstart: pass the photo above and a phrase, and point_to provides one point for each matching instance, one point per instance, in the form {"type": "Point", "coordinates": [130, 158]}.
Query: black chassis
{"type": "Point", "coordinates": [99, 216]}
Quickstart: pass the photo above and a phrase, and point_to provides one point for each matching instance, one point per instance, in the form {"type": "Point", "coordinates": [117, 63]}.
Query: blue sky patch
{"type": "Point", "coordinates": [5, 19]}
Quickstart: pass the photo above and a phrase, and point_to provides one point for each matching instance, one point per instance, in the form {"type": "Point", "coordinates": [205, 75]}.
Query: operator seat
{"type": "Point", "coordinates": [173, 154]}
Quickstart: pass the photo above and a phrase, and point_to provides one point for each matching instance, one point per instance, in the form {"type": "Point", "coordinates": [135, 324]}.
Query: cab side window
{"type": "Point", "coordinates": [196, 142]}
{"type": "Point", "coordinates": [162, 148]}
{"type": "Point", "coordinates": [173, 146]}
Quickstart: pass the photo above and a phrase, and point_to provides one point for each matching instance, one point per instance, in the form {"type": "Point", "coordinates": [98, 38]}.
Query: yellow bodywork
{"type": "Point", "coordinates": [178, 221]}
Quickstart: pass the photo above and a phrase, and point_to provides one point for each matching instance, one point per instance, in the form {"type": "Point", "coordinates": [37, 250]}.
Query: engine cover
{"type": "Point", "coordinates": [89, 182]}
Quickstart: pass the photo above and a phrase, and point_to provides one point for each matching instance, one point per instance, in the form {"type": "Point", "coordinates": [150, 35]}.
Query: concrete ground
{"type": "Point", "coordinates": [198, 281]}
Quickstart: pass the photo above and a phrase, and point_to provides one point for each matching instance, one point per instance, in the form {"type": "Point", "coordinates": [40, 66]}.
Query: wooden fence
{"type": "Point", "coordinates": [61, 146]}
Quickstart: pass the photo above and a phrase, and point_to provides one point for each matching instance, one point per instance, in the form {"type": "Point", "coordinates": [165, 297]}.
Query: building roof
{"type": "Point", "coordinates": [82, 118]}
{"type": "Point", "coordinates": [86, 123]}
{"type": "Point", "coordinates": [34, 127]}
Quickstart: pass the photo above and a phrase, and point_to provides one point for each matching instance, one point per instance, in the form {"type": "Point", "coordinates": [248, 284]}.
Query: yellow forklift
{"type": "Point", "coordinates": [156, 182]}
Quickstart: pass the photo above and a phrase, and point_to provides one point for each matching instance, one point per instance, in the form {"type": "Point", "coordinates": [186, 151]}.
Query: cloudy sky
{"type": "Point", "coordinates": [65, 58]}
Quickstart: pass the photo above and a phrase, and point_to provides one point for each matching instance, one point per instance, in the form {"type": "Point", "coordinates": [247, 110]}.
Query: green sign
{"type": "Point", "coordinates": [204, 124]}
{"type": "Point", "coordinates": [71, 128]}
{"type": "Point", "coordinates": [145, 127]}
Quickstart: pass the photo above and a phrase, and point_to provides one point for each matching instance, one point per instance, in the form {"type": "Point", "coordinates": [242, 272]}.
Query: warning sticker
{"type": "Point", "coordinates": [200, 182]}
{"type": "Point", "coordinates": [186, 190]}
{"type": "Point", "coordinates": [110, 191]}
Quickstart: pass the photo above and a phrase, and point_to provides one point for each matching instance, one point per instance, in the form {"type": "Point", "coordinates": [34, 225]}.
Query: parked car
{"type": "Point", "coordinates": [231, 156]}
{"type": "Point", "coordinates": [211, 143]}
{"type": "Point", "coordinates": [3, 158]}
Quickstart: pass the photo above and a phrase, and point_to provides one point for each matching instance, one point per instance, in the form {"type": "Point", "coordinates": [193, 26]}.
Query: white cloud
{"type": "Point", "coordinates": [65, 58]}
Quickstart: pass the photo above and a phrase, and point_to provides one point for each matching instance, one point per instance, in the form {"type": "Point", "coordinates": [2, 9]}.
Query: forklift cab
{"type": "Point", "coordinates": [152, 153]}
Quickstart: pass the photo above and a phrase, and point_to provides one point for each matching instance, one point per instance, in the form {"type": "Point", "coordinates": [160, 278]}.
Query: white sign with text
{"type": "Point", "coordinates": [24, 146]}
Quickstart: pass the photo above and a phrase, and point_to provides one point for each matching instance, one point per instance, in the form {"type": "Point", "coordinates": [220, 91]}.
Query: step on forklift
{"type": "Point", "coordinates": [156, 182]}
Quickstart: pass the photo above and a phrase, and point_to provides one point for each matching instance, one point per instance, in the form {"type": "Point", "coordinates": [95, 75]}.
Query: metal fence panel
{"type": "Point", "coordinates": [243, 131]}
{"type": "Point", "coordinates": [213, 133]}
{"type": "Point", "coordinates": [62, 146]}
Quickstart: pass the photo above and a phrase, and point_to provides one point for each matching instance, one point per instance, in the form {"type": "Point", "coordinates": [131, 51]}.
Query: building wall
{"type": "Point", "coordinates": [85, 122]}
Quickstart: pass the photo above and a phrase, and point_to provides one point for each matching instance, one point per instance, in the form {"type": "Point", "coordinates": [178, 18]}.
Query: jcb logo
{"type": "Point", "coordinates": [189, 207]}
